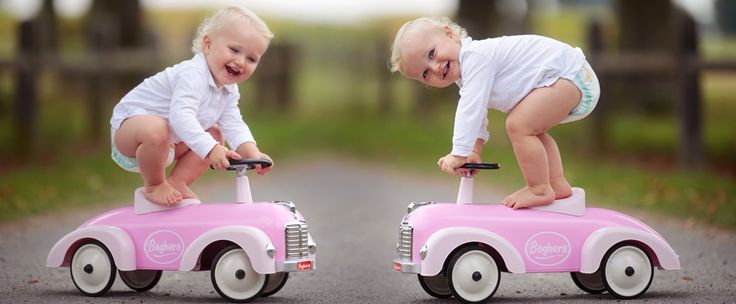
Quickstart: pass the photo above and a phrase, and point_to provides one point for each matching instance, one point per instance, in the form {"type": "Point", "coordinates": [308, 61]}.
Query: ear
{"type": "Point", "coordinates": [206, 44]}
{"type": "Point", "coordinates": [449, 32]}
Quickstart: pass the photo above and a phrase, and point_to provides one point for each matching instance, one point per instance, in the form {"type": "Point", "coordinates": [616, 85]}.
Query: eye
{"type": "Point", "coordinates": [431, 54]}
{"type": "Point", "coordinates": [425, 73]}
{"type": "Point", "coordinates": [252, 59]}
{"type": "Point", "coordinates": [234, 50]}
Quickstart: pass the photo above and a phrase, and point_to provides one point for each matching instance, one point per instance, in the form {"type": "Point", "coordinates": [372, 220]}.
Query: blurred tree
{"type": "Point", "coordinates": [112, 26]}
{"type": "Point", "coordinates": [483, 19]}
{"type": "Point", "coordinates": [726, 16]}
{"type": "Point", "coordinates": [645, 27]}
{"type": "Point", "coordinates": [37, 38]}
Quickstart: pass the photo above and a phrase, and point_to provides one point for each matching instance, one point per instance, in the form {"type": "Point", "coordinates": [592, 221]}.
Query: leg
{"type": "Point", "coordinates": [147, 139]}
{"type": "Point", "coordinates": [557, 179]}
{"type": "Point", "coordinates": [189, 166]}
{"type": "Point", "coordinates": [540, 110]}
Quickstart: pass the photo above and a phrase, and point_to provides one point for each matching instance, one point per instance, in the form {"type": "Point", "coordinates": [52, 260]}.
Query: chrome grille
{"type": "Point", "coordinates": [297, 240]}
{"type": "Point", "coordinates": [405, 241]}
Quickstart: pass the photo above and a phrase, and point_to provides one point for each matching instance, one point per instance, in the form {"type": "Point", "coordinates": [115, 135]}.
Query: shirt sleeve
{"type": "Point", "coordinates": [471, 119]}
{"type": "Point", "coordinates": [190, 89]}
{"type": "Point", "coordinates": [231, 123]}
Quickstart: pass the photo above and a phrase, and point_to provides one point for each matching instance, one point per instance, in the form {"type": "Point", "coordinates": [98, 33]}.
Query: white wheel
{"type": "Point", "coordinates": [589, 282]}
{"type": "Point", "coordinates": [275, 282]}
{"type": "Point", "coordinates": [140, 280]}
{"type": "Point", "coordinates": [234, 278]}
{"type": "Point", "coordinates": [436, 286]}
{"type": "Point", "coordinates": [473, 275]}
{"type": "Point", "coordinates": [92, 269]}
{"type": "Point", "coordinates": [627, 271]}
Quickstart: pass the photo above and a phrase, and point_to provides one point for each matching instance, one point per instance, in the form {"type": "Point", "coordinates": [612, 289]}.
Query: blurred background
{"type": "Point", "coordinates": [662, 138]}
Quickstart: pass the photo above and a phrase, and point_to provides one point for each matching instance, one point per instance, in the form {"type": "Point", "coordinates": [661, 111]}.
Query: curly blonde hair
{"type": "Point", "coordinates": [414, 26]}
{"type": "Point", "coordinates": [214, 22]}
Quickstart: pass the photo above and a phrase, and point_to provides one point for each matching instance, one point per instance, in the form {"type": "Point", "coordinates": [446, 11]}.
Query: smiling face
{"type": "Point", "coordinates": [233, 51]}
{"type": "Point", "coordinates": [430, 55]}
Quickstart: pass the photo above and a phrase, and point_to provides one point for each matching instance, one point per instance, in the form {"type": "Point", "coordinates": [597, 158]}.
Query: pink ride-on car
{"type": "Point", "coordinates": [460, 249]}
{"type": "Point", "coordinates": [249, 248]}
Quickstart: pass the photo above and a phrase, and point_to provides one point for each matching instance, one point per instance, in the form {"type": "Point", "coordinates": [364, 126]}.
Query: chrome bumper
{"type": "Point", "coordinates": [406, 267]}
{"type": "Point", "coordinates": [297, 265]}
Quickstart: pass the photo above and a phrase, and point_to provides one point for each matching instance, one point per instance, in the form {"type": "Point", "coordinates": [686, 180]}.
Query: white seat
{"type": "Point", "coordinates": [143, 205]}
{"type": "Point", "coordinates": [573, 205]}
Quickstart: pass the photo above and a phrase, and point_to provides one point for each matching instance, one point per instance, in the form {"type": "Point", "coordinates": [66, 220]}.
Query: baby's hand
{"type": "Point", "coordinates": [219, 156]}
{"type": "Point", "coordinates": [261, 170]}
{"type": "Point", "coordinates": [450, 163]}
{"type": "Point", "coordinates": [250, 151]}
{"type": "Point", "coordinates": [473, 158]}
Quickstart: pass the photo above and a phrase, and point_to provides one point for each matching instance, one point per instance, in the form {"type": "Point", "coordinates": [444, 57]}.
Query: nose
{"type": "Point", "coordinates": [240, 60]}
{"type": "Point", "coordinates": [436, 68]}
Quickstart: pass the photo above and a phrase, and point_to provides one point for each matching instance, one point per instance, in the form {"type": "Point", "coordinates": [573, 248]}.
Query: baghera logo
{"type": "Point", "coordinates": [163, 247]}
{"type": "Point", "coordinates": [547, 248]}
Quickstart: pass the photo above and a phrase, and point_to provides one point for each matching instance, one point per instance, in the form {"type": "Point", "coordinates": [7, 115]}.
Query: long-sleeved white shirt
{"type": "Point", "coordinates": [188, 98]}
{"type": "Point", "coordinates": [498, 73]}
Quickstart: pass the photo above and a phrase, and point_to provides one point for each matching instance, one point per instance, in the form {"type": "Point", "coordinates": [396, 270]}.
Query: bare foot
{"type": "Point", "coordinates": [561, 188]}
{"type": "Point", "coordinates": [529, 197]}
{"type": "Point", "coordinates": [183, 188]}
{"type": "Point", "coordinates": [162, 194]}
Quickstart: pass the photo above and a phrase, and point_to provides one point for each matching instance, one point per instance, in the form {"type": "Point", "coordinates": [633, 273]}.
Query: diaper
{"type": "Point", "coordinates": [129, 163]}
{"type": "Point", "coordinates": [590, 90]}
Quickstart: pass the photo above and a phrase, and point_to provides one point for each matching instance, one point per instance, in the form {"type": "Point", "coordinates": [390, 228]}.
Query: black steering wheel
{"type": "Point", "coordinates": [247, 164]}
{"type": "Point", "coordinates": [488, 166]}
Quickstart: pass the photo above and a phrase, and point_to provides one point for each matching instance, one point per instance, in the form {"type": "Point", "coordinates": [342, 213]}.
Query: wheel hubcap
{"type": "Point", "coordinates": [91, 268]}
{"type": "Point", "coordinates": [245, 282]}
{"type": "Point", "coordinates": [628, 271]}
{"type": "Point", "coordinates": [475, 276]}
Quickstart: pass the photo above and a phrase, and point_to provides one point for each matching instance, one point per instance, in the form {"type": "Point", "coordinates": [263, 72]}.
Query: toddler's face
{"type": "Point", "coordinates": [431, 56]}
{"type": "Point", "coordinates": [233, 51]}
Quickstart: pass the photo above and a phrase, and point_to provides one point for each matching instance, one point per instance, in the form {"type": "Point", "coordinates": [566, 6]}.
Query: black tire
{"type": "Point", "coordinates": [228, 281]}
{"type": "Point", "coordinates": [91, 275]}
{"type": "Point", "coordinates": [436, 286]}
{"type": "Point", "coordinates": [276, 281]}
{"type": "Point", "coordinates": [639, 269]}
{"type": "Point", "coordinates": [591, 283]}
{"type": "Point", "coordinates": [459, 275]}
{"type": "Point", "coordinates": [140, 280]}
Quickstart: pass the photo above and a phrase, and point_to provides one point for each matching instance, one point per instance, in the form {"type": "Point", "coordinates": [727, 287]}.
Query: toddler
{"type": "Point", "coordinates": [184, 112]}
{"type": "Point", "coordinates": [540, 82]}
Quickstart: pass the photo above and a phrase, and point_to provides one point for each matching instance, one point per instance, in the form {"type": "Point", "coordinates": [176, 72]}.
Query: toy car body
{"type": "Point", "coordinates": [248, 247]}
{"type": "Point", "coordinates": [460, 248]}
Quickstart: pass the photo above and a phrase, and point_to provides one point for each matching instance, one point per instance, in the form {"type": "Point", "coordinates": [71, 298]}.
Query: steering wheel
{"type": "Point", "coordinates": [489, 166]}
{"type": "Point", "coordinates": [248, 164]}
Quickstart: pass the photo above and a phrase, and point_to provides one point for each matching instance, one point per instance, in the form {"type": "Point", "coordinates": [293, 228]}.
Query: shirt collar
{"type": "Point", "coordinates": [230, 88]}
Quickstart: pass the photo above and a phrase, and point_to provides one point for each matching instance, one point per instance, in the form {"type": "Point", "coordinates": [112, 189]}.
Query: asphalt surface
{"type": "Point", "coordinates": [353, 210]}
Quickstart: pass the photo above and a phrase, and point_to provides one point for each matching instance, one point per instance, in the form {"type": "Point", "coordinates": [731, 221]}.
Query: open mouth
{"type": "Point", "coordinates": [232, 71]}
{"type": "Point", "coordinates": [446, 70]}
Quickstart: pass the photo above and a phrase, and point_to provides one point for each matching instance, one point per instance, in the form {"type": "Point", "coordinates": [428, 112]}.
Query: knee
{"type": "Point", "coordinates": [157, 134]}
{"type": "Point", "coordinates": [517, 127]}
{"type": "Point", "coordinates": [216, 133]}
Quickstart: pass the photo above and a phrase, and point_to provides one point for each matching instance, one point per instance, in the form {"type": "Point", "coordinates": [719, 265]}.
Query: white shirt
{"type": "Point", "coordinates": [498, 73]}
{"type": "Point", "coordinates": [188, 98]}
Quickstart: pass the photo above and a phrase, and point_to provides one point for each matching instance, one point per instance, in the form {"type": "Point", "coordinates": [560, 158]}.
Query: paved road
{"type": "Point", "coordinates": [353, 210]}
